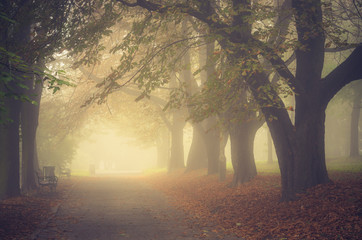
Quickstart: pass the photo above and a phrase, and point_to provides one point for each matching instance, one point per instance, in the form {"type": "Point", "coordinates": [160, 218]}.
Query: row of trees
{"type": "Point", "coordinates": [235, 86]}
{"type": "Point", "coordinates": [25, 47]}
{"type": "Point", "coordinates": [31, 33]}
{"type": "Point", "coordinates": [246, 37]}
{"type": "Point", "coordinates": [231, 87]}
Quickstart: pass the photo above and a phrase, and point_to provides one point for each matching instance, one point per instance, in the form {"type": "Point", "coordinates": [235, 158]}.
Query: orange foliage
{"type": "Point", "coordinates": [21, 216]}
{"type": "Point", "coordinates": [253, 210]}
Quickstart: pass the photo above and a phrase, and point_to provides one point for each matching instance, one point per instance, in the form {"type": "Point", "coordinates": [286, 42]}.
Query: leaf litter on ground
{"type": "Point", "coordinates": [249, 211]}
{"type": "Point", "coordinates": [254, 211]}
{"type": "Point", "coordinates": [21, 216]}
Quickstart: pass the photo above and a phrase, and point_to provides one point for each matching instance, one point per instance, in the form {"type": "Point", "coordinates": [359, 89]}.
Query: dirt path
{"type": "Point", "coordinates": [118, 208]}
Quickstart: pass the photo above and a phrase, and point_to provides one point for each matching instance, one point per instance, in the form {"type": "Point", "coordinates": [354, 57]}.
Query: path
{"type": "Point", "coordinates": [107, 208]}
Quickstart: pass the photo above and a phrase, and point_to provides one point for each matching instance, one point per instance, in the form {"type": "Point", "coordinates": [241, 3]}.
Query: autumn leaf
{"type": "Point", "coordinates": [253, 210]}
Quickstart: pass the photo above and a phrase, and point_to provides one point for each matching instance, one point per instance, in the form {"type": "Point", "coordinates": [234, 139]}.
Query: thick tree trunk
{"type": "Point", "coordinates": [284, 140]}
{"type": "Point", "coordinates": [310, 168]}
{"type": "Point", "coordinates": [281, 130]}
{"type": "Point", "coordinates": [242, 137]}
{"type": "Point", "coordinates": [14, 41]}
{"type": "Point", "coordinates": [300, 148]}
{"type": "Point", "coordinates": [177, 145]}
{"type": "Point", "coordinates": [212, 142]}
{"type": "Point", "coordinates": [29, 125]}
{"type": "Point", "coordinates": [356, 109]}
{"type": "Point", "coordinates": [197, 157]}
{"type": "Point", "coordinates": [9, 151]}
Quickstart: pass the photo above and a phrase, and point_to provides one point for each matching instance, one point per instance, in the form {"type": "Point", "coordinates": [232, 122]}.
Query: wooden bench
{"type": "Point", "coordinates": [47, 179]}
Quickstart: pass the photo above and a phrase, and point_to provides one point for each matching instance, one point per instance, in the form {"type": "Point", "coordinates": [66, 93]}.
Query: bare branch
{"type": "Point", "coordinates": [348, 71]}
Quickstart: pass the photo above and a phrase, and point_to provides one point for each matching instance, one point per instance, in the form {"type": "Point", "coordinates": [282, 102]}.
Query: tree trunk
{"type": "Point", "coordinates": [9, 149]}
{"type": "Point", "coordinates": [284, 140]}
{"type": "Point", "coordinates": [222, 158]}
{"type": "Point", "coordinates": [310, 168]}
{"type": "Point", "coordinates": [163, 148]}
{"type": "Point", "coordinates": [29, 125]}
{"type": "Point", "coordinates": [177, 145]}
{"type": "Point", "coordinates": [212, 142]}
{"type": "Point", "coordinates": [177, 135]}
{"type": "Point", "coordinates": [197, 157]}
{"type": "Point", "coordinates": [14, 41]}
{"type": "Point", "coordinates": [242, 137]}
{"type": "Point", "coordinates": [356, 109]}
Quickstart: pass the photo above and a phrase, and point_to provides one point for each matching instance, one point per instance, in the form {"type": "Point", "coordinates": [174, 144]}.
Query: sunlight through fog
{"type": "Point", "coordinates": [110, 153]}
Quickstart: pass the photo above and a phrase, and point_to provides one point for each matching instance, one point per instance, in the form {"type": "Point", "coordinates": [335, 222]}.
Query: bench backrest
{"type": "Point", "coordinates": [49, 171]}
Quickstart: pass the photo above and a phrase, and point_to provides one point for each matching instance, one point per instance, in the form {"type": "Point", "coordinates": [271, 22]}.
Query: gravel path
{"type": "Point", "coordinates": [107, 208]}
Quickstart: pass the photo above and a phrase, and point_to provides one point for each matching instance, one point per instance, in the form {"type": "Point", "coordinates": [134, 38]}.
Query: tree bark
{"type": "Point", "coordinates": [177, 145]}
{"type": "Point", "coordinates": [212, 142]}
{"type": "Point", "coordinates": [242, 137]}
{"type": "Point", "coordinates": [177, 136]}
{"type": "Point", "coordinates": [212, 139]}
{"type": "Point", "coordinates": [310, 167]}
{"type": "Point", "coordinates": [197, 157]}
{"type": "Point", "coordinates": [9, 149]}
{"type": "Point", "coordinates": [281, 130]}
{"type": "Point", "coordinates": [16, 41]}
{"type": "Point", "coordinates": [356, 109]}
{"type": "Point", "coordinates": [29, 124]}
{"type": "Point", "coordinates": [224, 135]}
{"type": "Point", "coordinates": [163, 148]}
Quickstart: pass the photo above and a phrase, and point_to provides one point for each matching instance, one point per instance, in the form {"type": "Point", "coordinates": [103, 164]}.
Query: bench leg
{"type": "Point", "coordinates": [53, 188]}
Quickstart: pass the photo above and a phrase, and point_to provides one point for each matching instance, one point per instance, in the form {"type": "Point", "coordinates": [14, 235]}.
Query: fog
{"type": "Point", "coordinates": [114, 143]}
{"type": "Point", "coordinates": [121, 130]}
{"type": "Point", "coordinates": [112, 153]}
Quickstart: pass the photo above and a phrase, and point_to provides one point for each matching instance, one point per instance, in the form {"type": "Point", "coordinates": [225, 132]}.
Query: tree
{"type": "Point", "coordinates": [29, 123]}
{"type": "Point", "coordinates": [299, 146]}
{"type": "Point", "coordinates": [31, 32]}
{"type": "Point", "coordinates": [270, 148]}
{"type": "Point", "coordinates": [204, 150]}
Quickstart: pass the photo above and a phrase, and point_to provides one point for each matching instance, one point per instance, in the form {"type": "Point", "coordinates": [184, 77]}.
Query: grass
{"type": "Point", "coordinates": [80, 173]}
{"type": "Point", "coordinates": [267, 168]}
{"type": "Point", "coordinates": [344, 164]}
{"type": "Point", "coordinates": [333, 165]}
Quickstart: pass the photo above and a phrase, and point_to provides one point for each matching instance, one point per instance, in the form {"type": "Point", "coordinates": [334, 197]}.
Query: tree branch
{"type": "Point", "coordinates": [340, 49]}
{"type": "Point", "coordinates": [206, 13]}
{"type": "Point", "coordinates": [348, 71]}
{"type": "Point", "coordinates": [281, 67]}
